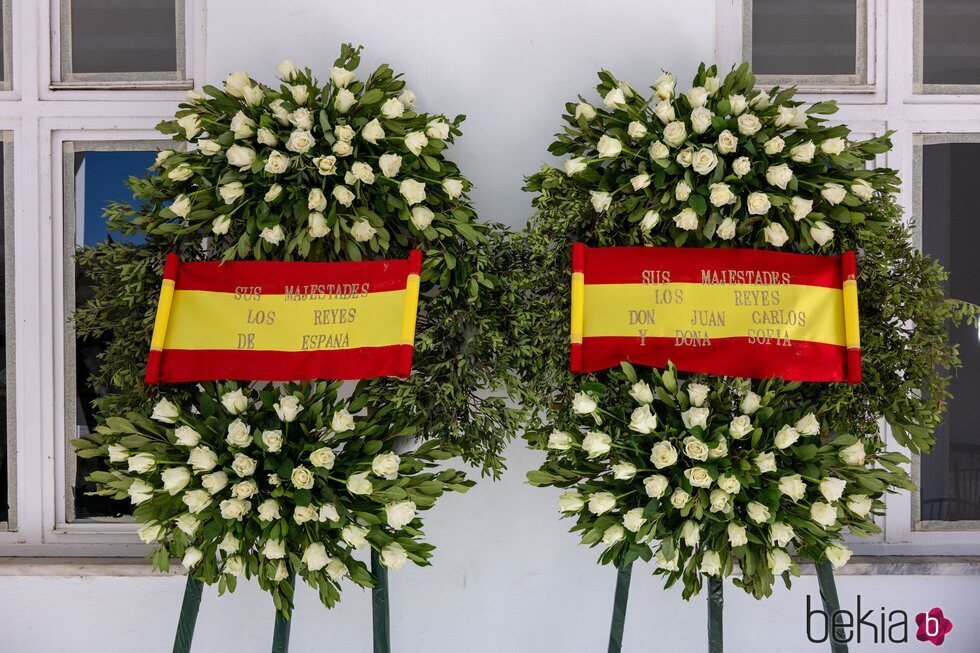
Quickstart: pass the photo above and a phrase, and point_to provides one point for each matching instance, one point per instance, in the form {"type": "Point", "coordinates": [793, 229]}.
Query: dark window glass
{"type": "Point", "coordinates": [951, 42]}
{"type": "Point", "coordinates": [950, 480]}
{"type": "Point", "coordinates": [5, 462]}
{"type": "Point", "coordinates": [803, 37]}
{"type": "Point", "coordinates": [99, 179]}
{"type": "Point", "coordinates": [123, 36]}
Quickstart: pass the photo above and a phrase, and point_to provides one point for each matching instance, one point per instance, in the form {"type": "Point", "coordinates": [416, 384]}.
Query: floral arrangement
{"type": "Point", "coordinates": [265, 484]}
{"type": "Point", "coordinates": [730, 476]}
{"type": "Point", "coordinates": [703, 478]}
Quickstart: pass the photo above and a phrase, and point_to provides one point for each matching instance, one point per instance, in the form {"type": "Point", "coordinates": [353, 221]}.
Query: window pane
{"type": "Point", "coordinates": [950, 480]}
{"type": "Point", "coordinates": [951, 42]}
{"type": "Point", "coordinates": [99, 179]}
{"type": "Point", "coordinates": [6, 464]}
{"type": "Point", "coordinates": [123, 36]}
{"type": "Point", "coordinates": [803, 37]}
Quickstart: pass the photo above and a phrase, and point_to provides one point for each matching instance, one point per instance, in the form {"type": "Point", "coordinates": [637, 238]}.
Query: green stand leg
{"type": "Point", "coordinates": [188, 615]}
{"type": "Point", "coordinates": [619, 608]}
{"type": "Point", "coordinates": [280, 635]}
{"type": "Point", "coordinates": [831, 604]}
{"type": "Point", "coordinates": [716, 601]}
{"type": "Point", "coordinates": [379, 605]}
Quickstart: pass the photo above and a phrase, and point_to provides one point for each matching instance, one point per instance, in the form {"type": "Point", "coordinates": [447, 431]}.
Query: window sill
{"type": "Point", "coordinates": [905, 566]}
{"type": "Point", "coordinates": [83, 567]}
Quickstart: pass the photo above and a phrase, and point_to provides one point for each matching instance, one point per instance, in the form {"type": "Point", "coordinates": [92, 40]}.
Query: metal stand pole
{"type": "Point", "coordinates": [831, 604]}
{"type": "Point", "coordinates": [188, 615]}
{"type": "Point", "coordinates": [716, 601]}
{"type": "Point", "coordinates": [619, 608]}
{"type": "Point", "coordinates": [379, 605]}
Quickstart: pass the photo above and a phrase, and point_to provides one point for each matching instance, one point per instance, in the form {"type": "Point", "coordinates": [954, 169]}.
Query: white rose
{"type": "Point", "coordinates": [415, 141]}
{"type": "Point", "coordinates": [658, 150]}
{"type": "Point", "coordinates": [243, 465]}
{"type": "Point", "coordinates": [738, 104]}
{"type": "Point", "coordinates": [710, 564]}
{"type": "Point", "coordinates": [664, 563]}
{"type": "Point", "coordinates": [269, 510]}
{"type": "Point", "coordinates": [570, 502]}
{"type": "Point", "coordinates": [701, 120]}
{"type": "Point", "coordinates": [181, 205]}
{"type": "Point", "coordinates": [362, 231]}
{"type": "Point", "coordinates": [182, 172]}
{"type": "Point", "coordinates": [287, 408]}
{"type": "Point", "coordinates": [750, 403]}
{"type": "Point", "coordinates": [679, 498]}
{"type": "Point", "coordinates": [453, 187]}
{"type": "Point", "coordinates": [697, 393]}
{"type": "Point", "coordinates": [165, 411]}
{"type": "Point", "coordinates": [832, 488]}
{"type": "Point", "coordinates": [640, 181]}
{"type": "Point", "coordinates": [422, 217]}
{"type": "Point", "coordinates": [575, 166]}
{"type": "Point", "coordinates": [141, 463]}
{"type": "Point", "coordinates": [694, 448]}
{"type": "Point", "coordinates": [266, 137]}
{"type": "Point", "coordinates": [823, 513]}
{"type": "Point", "coordinates": [779, 175]}
{"type": "Point", "coordinates": [342, 148]}
{"type": "Point", "coordinates": [729, 484]}
{"type": "Point", "coordinates": [600, 200]}
{"type": "Point", "coordinates": [838, 554]}
{"type": "Point", "coordinates": [274, 549]}
{"type": "Point", "coordinates": [774, 145]}
{"type": "Point", "coordinates": [287, 69]}
{"type": "Point", "coordinates": [609, 146]}
{"type": "Point", "coordinates": [641, 392]}
{"type": "Point", "coordinates": [656, 486]}
{"type": "Point", "coordinates": [779, 561]}
{"type": "Point", "coordinates": [642, 420]}
{"type": "Point", "coordinates": [586, 111]}
{"type": "Point", "coordinates": [242, 126]}
{"type": "Point", "coordinates": [800, 207]}
{"type": "Point", "coordinates": [712, 84]}
{"type": "Point", "coordinates": [757, 512]}
{"type": "Point", "coordinates": [636, 130]}
{"type": "Point", "coordinates": [601, 502]}
{"type": "Point", "coordinates": [697, 97]}
{"type": "Point", "coordinates": [119, 453]}
{"type": "Point", "coordinates": [400, 514]}
{"type": "Point", "coordinates": [650, 220]}
{"type": "Point", "coordinates": [273, 193]}
{"type": "Point", "coordinates": [787, 436]}
{"type": "Point", "coordinates": [343, 195]}
{"type": "Point", "coordinates": [389, 164]}
{"type": "Point", "coordinates": [208, 147]}
{"type": "Point", "coordinates": [359, 484]}
{"type": "Point", "coordinates": [740, 426]}
{"type": "Point", "coordinates": [748, 124]}
{"type": "Point", "coordinates": [344, 133]}
{"type": "Point", "coordinates": [675, 133]}
{"type": "Point", "coordinates": [202, 459]}
{"type": "Point", "coordinates": [808, 425]}
{"type": "Point", "coordinates": [407, 98]}
{"type": "Point", "coordinates": [781, 534]}
{"type": "Point", "coordinates": [559, 441]}
{"type": "Point", "coordinates": [437, 129]}
{"type": "Point", "coordinates": [175, 479]}
{"type": "Point", "coordinates": [682, 191]}
{"type": "Point", "coordinates": [392, 108]}
{"type": "Point", "coordinates": [791, 117]}
{"type": "Point", "coordinates": [394, 556]}
{"type": "Point", "coordinates": [727, 142]}
{"type": "Point", "coordinates": [623, 471]}
{"type": "Point", "coordinates": [151, 531]}
{"type": "Point", "coordinates": [664, 86]}
{"type": "Point", "coordinates": [300, 93]}
{"type": "Point", "coordinates": [705, 161]}
{"type": "Point", "coordinates": [633, 520]}
{"type": "Point", "coordinates": [231, 192]}
{"type": "Point", "coordinates": [766, 462]}
{"type": "Point", "coordinates": [234, 566]}
{"type": "Point", "coordinates": [803, 153]}
{"type": "Point", "coordinates": [687, 219]}
{"type": "Point", "coordinates": [721, 195]}
{"type": "Point", "coordinates": [792, 485]}
{"type": "Point", "coordinates": [315, 557]}
{"type": "Point", "coordinates": [663, 455]}
{"type": "Point", "coordinates": [244, 490]}
{"type": "Point", "coordinates": [342, 421]}
{"type": "Point", "coordinates": [583, 404]}
{"type": "Point", "coordinates": [239, 434]}
{"type": "Point", "coordinates": [279, 111]}
{"type": "Point", "coordinates": [720, 450]}
{"type": "Point", "coordinates": [385, 465]}
{"type": "Point", "coordinates": [775, 234]}
{"type": "Point", "coordinates": [726, 230]}
{"type": "Point", "coordinates": [300, 142]}
{"type": "Point", "coordinates": [685, 157]}
{"type": "Point", "coordinates": [214, 482]}
{"type": "Point", "coordinates": [742, 166]}
{"type": "Point", "coordinates": [196, 500]}
{"type": "Point", "coordinates": [192, 556]}
{"type": "Point", "coordinates": [413, 191]}
{"type": "Point", "coordinates": [833, 146]}
{"type": "Point", "coordinates": [229, 544]}
{"type": "Point", "coordinates": [853, 455]}
{"type": "Point", "coordinates": [596, 444]}
{"type": "Point", "coordinates": [344, 100]}
{"type": "Point", "coordinates": [328, 512]}
{"type": "Point", "coordinates": [272, 440]}
{"type": "Point", "coordinates": [273, 236]}
{"type": "Point", "coordinates": [305, 514]}
{"type": "Point", "coordinates": [341, 77]}
{"type": "Point", "coordinates": [691, 533]}
{"type": "Point", "coordinates": [821, 232]}
{"type": "Point", "coordinates": [336, 569]}
{"type": "Point", "coordinates": [698, 477]}
{"type": "Point", "coordinates": [301, 119]}
{"type": "Point", "coordinates": [613, 535]}
{"type": "Point", "coordinates": [234, 509]}
{"type": "Point", "coordinates": [615, 98]}
{"type": "Point", "coordinates": [302, 477]}
{"type": "Point", "coordinates": [236, 82]}
{"type": "Point", "coordinates": [736, 535]}
{"type": "Point", "coordinates": [696, 416]}
{"type": "Point", "coordinates": [859, 504]}
{"type": "Point", "coordinates": [372, 132]}
{"type": "Point", "coordinates": [862, 190]}
{"type": "Point", "coordinates": [760, 100]}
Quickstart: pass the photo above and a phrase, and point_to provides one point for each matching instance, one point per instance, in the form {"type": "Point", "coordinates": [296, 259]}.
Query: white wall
{"type": "Point", "coordinates": [507, 576]}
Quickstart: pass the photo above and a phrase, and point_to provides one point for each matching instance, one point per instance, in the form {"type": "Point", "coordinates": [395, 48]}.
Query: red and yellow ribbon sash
{"type": "Point", "coordinates": [285, 321]}
{"type": "Point", "coordinates": [729, 312]}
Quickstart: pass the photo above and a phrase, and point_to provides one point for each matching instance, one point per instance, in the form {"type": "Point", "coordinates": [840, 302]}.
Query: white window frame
{"type": "Point", "coordinates": [889, 103]}
{"type": "Point", "coordinates": [10, 319]}
{"type": "Point", "coordinates": [40, 120]}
